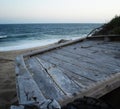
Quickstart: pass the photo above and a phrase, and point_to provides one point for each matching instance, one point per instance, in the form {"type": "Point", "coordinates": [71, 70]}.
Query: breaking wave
{"type": "Point", "coordinates": [3, 36]}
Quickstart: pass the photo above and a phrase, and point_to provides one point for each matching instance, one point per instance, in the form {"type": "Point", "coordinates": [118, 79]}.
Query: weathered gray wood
{"type": "Point", "coordinates": [16, 107]}
{"type": "Point", "coordinates": [88, 43]}
{"type": "Point", "coordinates": [113, 44]}
{"type": "Point", "coordinates": [101, 55]}
{"type": "Point", "coordinates": [65, 44]}
{"type": "Point", "coordinates": [79, 80]}
{"type": "Point", "coordinates": [82, 65]}
{"type": "Point", "coordinates": [76, 63]}
{"type": "Point", "coordinates": [100, 88]}
{"type": "Point", "coordinates": [97, 57]}
{"type": "Point", "coordinates": [98, 48]}
{"type": "Point", "coordinates": [71, 67]}
{"type": "Point", "coordinates": [91, 43]}
{"type": "Point", "coordinates": [93, 63]}
{"type": "Point", "coordinates": [82, 62]}
{"type": "Point", "coordinates": [111, 53]}
{"type": "Point", "coordinates": [91, 53]}
{"type": "Point", "coordinates": [62, 81]}
{"type": "Point", "coordinates": [26, 86]}
{"type": "Point", "coordinates": [45, 83]}
{"type": "Point", "coordinates": [74, 77]}
{"type": "Point", "coordinates": [103, 47]}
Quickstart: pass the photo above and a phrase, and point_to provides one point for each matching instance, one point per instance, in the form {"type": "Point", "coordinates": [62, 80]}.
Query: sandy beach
{"type": "Point", "coordinates": [7, 76]}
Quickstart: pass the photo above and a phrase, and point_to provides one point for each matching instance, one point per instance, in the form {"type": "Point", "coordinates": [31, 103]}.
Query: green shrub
{"type": "Point", "coordinates": [112, 27]}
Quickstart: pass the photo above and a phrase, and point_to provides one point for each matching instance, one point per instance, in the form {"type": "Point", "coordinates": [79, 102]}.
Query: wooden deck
{"type": "Point", "coordinates": [85, 67]}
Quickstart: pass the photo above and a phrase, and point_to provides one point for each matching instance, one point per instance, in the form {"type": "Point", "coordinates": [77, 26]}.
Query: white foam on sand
{"type": "Point", "coordinates": [30, 44]}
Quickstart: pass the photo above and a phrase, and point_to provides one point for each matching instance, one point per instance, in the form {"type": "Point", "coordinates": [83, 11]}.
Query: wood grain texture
{"type": "Point", "coordinates": [94, 57]}
{"type": "Point", "coordinates": [44, 81]}
{"type": "Point", "coordinates": [16, 107]}
{"type": "Point", "coordinates": [71, 67]}
{"type": "Point", "coordinates": [62, 80]}
{"type": "Point", "coordinates": [26, 86]}
{"type": "Point", "coordinates": [83, 62]}
{"type": "Point", "coordinates": [85, 67]}
{"type": "Point", "coordinates": [79, 80]}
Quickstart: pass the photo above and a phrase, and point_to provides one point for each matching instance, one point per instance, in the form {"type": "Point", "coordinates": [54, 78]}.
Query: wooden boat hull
{"type": "Point", "coordinates": [85, 67]}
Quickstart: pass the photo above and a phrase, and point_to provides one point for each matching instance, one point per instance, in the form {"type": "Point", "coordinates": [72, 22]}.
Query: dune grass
{"type": "Point", "coordinates": [112, 27]}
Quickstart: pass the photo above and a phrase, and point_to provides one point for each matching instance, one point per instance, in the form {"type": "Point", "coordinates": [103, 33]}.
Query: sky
{"type": "Point", "coordinates": [58, 11]}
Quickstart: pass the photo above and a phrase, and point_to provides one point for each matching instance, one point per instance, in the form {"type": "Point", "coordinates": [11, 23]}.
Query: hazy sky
{"type": "Point", "coordinates": [53, 11]}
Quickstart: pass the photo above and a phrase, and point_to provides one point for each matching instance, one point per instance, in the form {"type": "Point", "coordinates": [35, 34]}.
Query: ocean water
{"type": "Point", "coordinates": [22, 36]}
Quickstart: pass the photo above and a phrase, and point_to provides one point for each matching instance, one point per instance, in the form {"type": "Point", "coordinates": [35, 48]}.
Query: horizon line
{"type": "Point", "coordinates": [57, 23]}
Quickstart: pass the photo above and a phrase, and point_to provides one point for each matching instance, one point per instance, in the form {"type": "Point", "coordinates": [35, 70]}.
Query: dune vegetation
{"type": "Point", "coordinates": [110, 28]}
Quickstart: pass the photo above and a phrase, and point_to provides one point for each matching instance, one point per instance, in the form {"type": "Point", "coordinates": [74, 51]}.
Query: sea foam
{"type": "Point", "coordinates": [3, 36]}
{"type": "Point", "coordinates": [30, 44]}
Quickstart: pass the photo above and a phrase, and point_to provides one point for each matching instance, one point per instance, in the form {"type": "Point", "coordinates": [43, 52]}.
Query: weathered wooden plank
{"type": "Point", "coordinates": [17, 107]}
{"type": "Point", "coordinates": [45, 83]}
{"type": "Point", "coordinates": [107, 54]}
{"type": "Point", "coordinates": [27, 90]}
{"type": "Point", "coordinates": [26, 86]}
{"type": "Point", "coordinates": [89, 43]}
{"type": "Point", "coordinates": [109, 68]}
{"type": "Point", "coordinates": [110, 47]}
{"type": "Point", "coordinates": [111, 53]}
{"type": "Point", "coordinates": [101, 55]}
{"type": "Point", "coordinates": [97, 57]}
{"type": "Point", "coordinates": [68, 63]}
{"type": "Point", "coordinates": [82, 65]}
{"type": "Point", "coordinates": [81, 62]}
{"type": "Point", "coordinates": [74, 77]}
{"type": "Point", "coordinates": [97, 62]}
{"type": "Point", "coordinates": [98, 48]}
{"type": "Point", "coordinates": [104, 50]}
{"type": "Point", "coordinates": [70, 67]}
{"type": "Point", "coordinates": [103, 47]}
{"type": "Point", "coordinates": [62, 80]}
{"type": "Point", "coordinates": [100, 88]}
{"type": "Point", "coordinates": [113, 44]}
{"type": "Point", "coordinates": [81, 81]}
{"type": "Point", "coordinates": [99, 44]}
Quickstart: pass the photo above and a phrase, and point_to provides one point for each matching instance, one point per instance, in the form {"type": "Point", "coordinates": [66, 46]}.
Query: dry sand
{"type": "Point", "coordinates": [7, 76]}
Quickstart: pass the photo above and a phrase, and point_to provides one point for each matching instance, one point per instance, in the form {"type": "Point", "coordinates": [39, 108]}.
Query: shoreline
{"type": "Point", "coordinates": [7, 75]}
{"type": "Point", "coordinates": [28, 44]}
